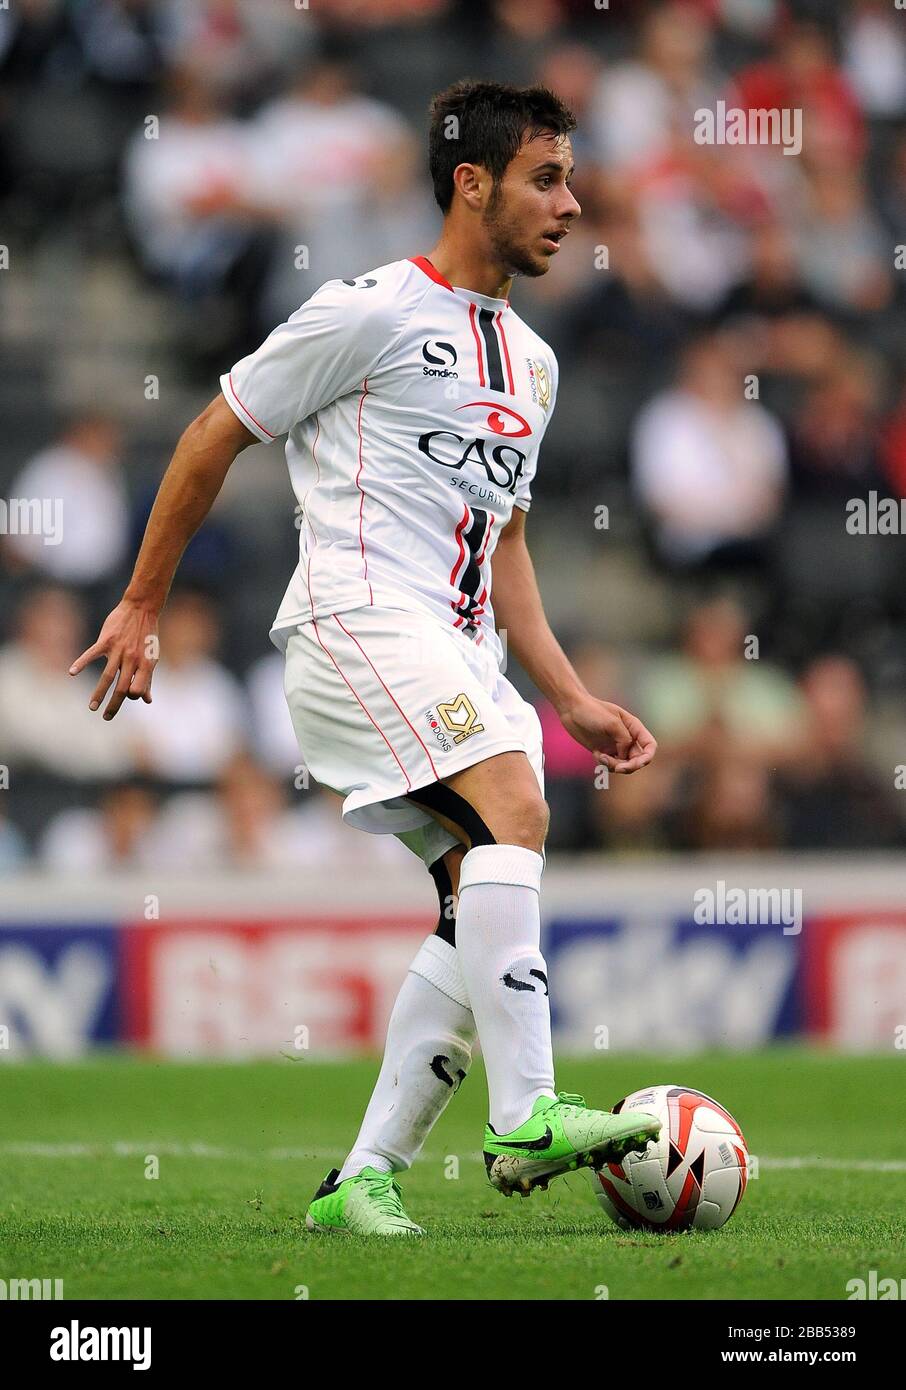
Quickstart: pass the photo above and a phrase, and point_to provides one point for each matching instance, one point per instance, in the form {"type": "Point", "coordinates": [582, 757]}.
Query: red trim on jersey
{"type": "Point", "coordinates": [364, 707]}
{"type": "Point", "coordinates": [374, 669]}
{"type": "Point", "coordinates": [307, 518]}
{"type": "Point", "coordinates": [478, 610]}
{"type": "Point", "coordinates": [477, 344]}
{"type": "Point", "coordinates": [460, 527]}
{"type": "Point", "coordinates": [314, 447]}
{"type": "Point", "coordinates": [506, 352]}
{"type": "Point", "coordinates": [361, 491]}
{"type": "Point", "coordinates": [248, 412]}
{"type": "Point", "coordinates": [432, 273]}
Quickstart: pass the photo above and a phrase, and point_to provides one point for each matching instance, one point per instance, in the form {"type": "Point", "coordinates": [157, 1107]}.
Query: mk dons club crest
{"type": "Point", "coordinates": [461, 717]}
{"type": "Point", "coordinates": [539, 382]}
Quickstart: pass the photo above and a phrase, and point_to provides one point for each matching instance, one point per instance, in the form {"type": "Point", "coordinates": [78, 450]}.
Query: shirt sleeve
{"type": "Point", "coordinates": [324, 350]}
{"type": "Point", "coordinates": [523, 498]}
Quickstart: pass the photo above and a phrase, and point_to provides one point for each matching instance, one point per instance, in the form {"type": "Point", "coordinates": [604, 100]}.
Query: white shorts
{"type": "Point", "coordinates": [385, 701]}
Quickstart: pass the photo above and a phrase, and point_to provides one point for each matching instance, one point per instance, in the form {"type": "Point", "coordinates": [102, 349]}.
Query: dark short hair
{"type": "Point", "coordinates": [493, 120]}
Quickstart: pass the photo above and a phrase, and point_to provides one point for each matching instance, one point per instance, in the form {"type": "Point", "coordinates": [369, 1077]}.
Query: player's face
{"type": "Point", "coordinates": [531, 208]}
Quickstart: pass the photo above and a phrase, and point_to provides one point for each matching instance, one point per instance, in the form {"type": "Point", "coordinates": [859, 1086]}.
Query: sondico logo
{"type": "Point", "coordinates": [75, 1343]}
{"type": "Point", "coordinates": [460, 716]}
{"type": "Point", "coordinates": [442, 357]}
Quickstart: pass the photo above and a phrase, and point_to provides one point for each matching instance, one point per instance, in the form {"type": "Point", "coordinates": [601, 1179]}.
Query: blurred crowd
{"type": "Point", "coordinates": [729, 322]}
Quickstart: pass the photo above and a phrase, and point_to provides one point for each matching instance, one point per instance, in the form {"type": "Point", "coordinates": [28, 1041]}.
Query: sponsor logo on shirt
{"type": "Point", "coordinates": [502, 463]}
{"type": "Point", "coordinates": [437, 732]}
{"type": "Point", "coordinates": [461, 717]}
{"type": "Point", "coordinates": [501, 419]}
{"type": "Point", "coordinates": [539, 382]}
{"type": "Point", "coordinates": [442, 357]}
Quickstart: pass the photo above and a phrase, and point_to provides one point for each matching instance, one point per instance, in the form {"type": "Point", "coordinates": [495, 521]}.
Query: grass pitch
{"type": "Point", "coordinates": [240, 1149]}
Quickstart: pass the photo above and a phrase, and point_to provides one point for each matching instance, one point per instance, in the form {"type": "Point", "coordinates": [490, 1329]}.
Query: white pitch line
{"type": "Point", "coordinates": [122, 1148]}
{"type": "Point", "coordinates": [839, 1165]}
{"type": "Point", "coordinates": [129, 1149]}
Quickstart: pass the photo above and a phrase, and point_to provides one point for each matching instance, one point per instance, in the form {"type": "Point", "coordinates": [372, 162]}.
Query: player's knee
{"type": "Point", "coordinates": [524, 822]}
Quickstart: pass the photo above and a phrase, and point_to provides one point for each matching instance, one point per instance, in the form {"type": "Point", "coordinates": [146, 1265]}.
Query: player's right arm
{"type": "Point", "coordinates": [187, 492]}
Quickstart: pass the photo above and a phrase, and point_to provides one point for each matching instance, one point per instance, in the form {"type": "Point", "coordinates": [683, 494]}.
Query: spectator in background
{"type": "Point", "coordinates": [45, 722]}
{"type": "Point", "coordinates": [773, 287]}
{"type": "Point", "coordinates": [236, 46]}
{"type": "Point", "coordinates": [845, 254]}
{"type": "Point", "coordinates": [272, 728]}
{"type": "Point", "coordinates": [786, 334]}
{"type": "Point", "coordinates": [874, 57]}
{"type": "Point", "coordinates": [339, 170]}
{"type": "Point", "coordinates": [833, 798]}
{"type": "Point", "coordinates": [834, 436]}
{"type": "Point", "coordinates": [709, 695]}
{"type": "Point", "coordinates": [197, 722]}
{"type": "Point", "coordinates": [573, 71]}
{"type": "Point", "coordinates": [507, 36]}
{"type": "Point", "coordinates": [709, 466]}
{"type": "Point", "coordinates": [13, 849]}
{"type": "Point", "coordinates": [324, 148]}
{"type": "Point", "coordinates": [832, 585]}
{"type": "Point", "coordinates": [696, 209]}
{"type": "Point", "coordinates": [196, 220]}
{"type": "Point", "coordinates": [76, 77]}
{"type": "Point", "coordinates": [118, 835]}
{"type": "Point", "coordinates": [727, 805]}
{"type": "Point", "coordinates": [893, 447]}
{"type": "Point", "coordinates": [641, 104]}
{"type": "Point", "coordinates": [117, 45]}
{"type": "Point", "coordinates": [892, 199]}
{"type": "Point", "coordinates": [629, 815]}
{"type": "Point", "coordinates": [801, 74]}
{"type": "Point", "coordinates": [570, 769]}
{"type": "Point", "coordinates": [621, 316]}
{"type": "Point", "coordinates": [248, 823]}
{"type": "Point", "coordinates": [81, 476]}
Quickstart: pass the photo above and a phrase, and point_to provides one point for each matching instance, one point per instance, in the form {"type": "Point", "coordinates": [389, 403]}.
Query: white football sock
{"type": "Point", "coordinates": [498, 939]}
{"type": "Point", "coordinates": [426, 1057]}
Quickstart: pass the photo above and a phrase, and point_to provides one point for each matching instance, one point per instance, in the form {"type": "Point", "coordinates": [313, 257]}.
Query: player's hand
{"type": "Point", "coordinates": [617, 739]}
{"type": "Point", "coordinates": [129, 642]}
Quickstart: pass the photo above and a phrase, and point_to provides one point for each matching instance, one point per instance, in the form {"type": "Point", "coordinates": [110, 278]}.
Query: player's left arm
{"type": "Point", "coordinates": [616, 737]}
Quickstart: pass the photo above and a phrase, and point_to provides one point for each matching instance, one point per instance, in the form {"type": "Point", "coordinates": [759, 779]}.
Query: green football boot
{"type": "Point", "coordinates": [560, 1135]}
{"type": "Point", "coordinates": [370, 1204]}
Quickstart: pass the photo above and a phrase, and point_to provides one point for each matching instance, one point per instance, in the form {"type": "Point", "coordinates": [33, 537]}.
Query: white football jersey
{"type": "Point", "coordinates": [414, 411]}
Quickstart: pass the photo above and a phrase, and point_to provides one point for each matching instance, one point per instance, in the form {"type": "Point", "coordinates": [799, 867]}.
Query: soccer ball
{"type": "Point", "coordinates": [691, 1178]}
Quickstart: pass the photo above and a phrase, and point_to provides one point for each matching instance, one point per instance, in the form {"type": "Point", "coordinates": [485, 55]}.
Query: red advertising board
{"type": "Point", "coordinates": [196, 987]}
{"type": "Point", "coordinates": [855, 978]}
